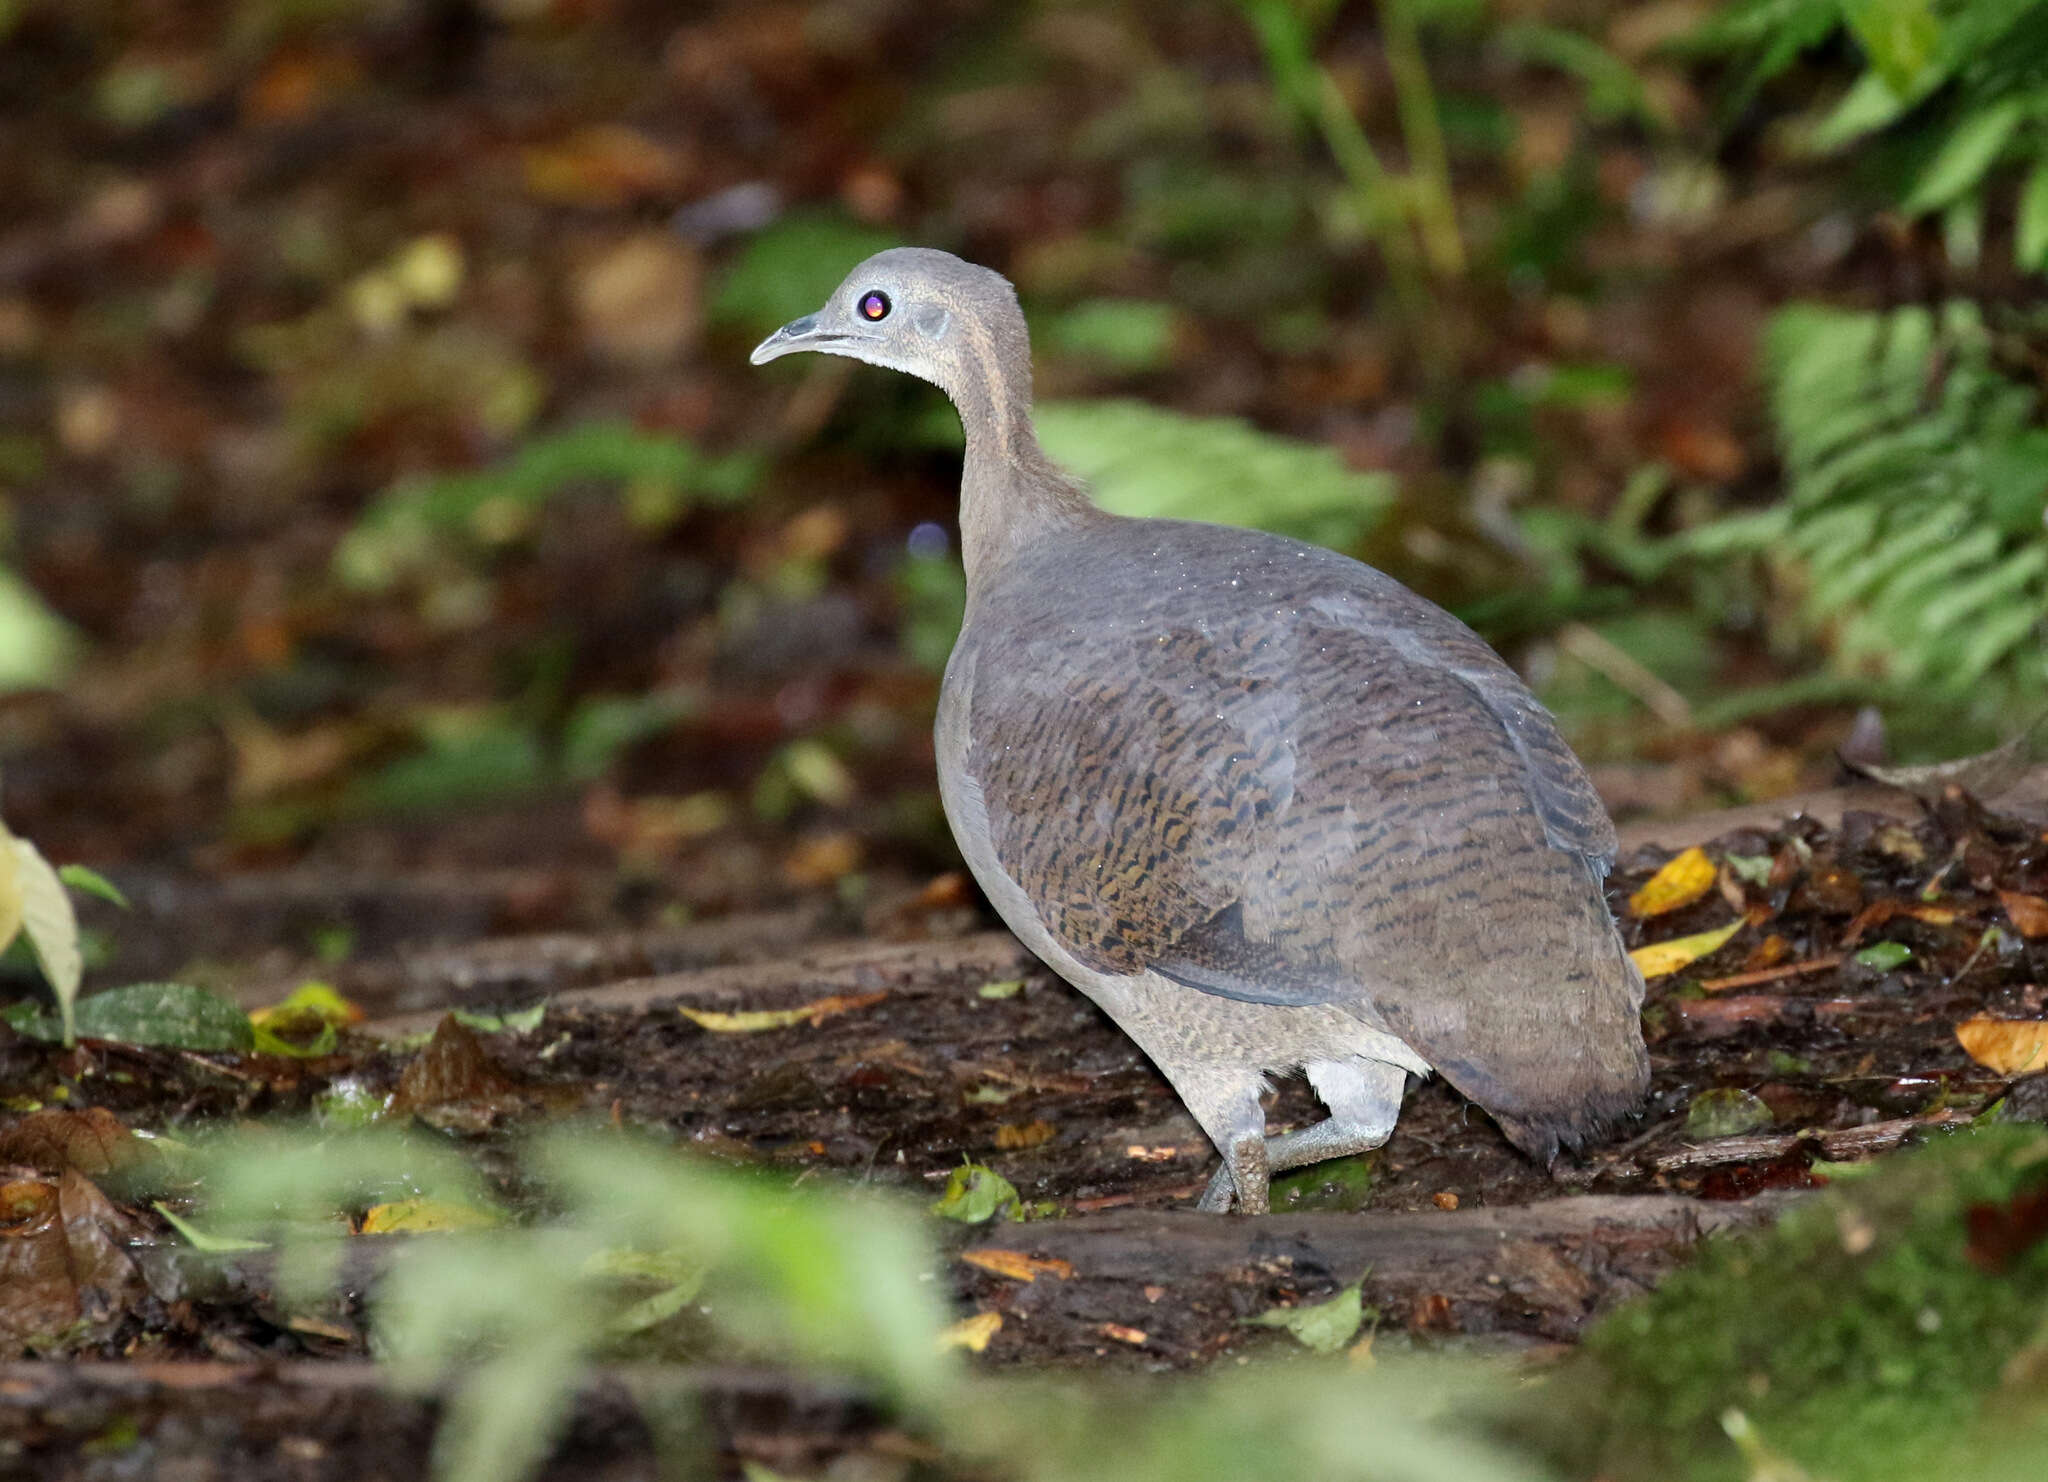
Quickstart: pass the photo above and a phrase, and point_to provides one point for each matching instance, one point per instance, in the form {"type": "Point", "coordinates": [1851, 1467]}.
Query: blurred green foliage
{"type": "Point", "coordinates": [37, 648]}
{"type": "Point", "coordinates": [650, 1252]}
{"type": "Point", "coordinates": [791, 268]}
{"type": "Point", "coordinates": [1917, 480]}
{"type": "Point", "coordinates": [1954, 96]}
{"type": "Point", "coordinates": [1893, 1327]}
{"type": "Point", "coordinates": [433, 521]}
{"type": "Point", "coordinates": [1897, 1327]}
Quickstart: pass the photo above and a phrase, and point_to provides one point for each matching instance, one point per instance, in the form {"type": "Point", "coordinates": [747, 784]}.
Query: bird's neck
{"type": "Point", "coordinates": [1011, 494]}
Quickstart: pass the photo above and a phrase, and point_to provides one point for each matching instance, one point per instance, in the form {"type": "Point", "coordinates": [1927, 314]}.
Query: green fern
{"type": "Point", "coordinates": [1960, 86]}
{"type": "Point", "coordinates": [1144, 460]}
{"type": "Point", "coordinates": [1917, 475]}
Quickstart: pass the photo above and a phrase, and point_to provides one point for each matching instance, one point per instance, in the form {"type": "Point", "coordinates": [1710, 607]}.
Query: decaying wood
{"type": "Point", "coordinates": [1841, 1145]}
{"type": "Point", "coordinates": [347, 1419]}
{"type": "Point", "coordinates": [520, 969]}
{"type": "Point", "coordinates": [859, 966]}
{"type": "Point", "coordinates": [1536, 1271]}
{"type": "Point", "coordinates": [2027, 798]}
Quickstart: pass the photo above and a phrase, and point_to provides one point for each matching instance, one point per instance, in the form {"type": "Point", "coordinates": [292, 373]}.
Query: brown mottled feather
{"type": "Point", "coordinates": [1340, 773]}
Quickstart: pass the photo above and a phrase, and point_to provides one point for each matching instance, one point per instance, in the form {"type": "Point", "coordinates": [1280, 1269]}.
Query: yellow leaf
{"type": "Point", "coordinates": [1659, 958]}
{"type": "Point", "coordinates": [1012, 1136]}
{"type": "Point", "coordinates": [1682, 880]}
{"type": "Point", "coordinates": [311, 1000]}
{"type": "Point", "coordinates": [753, 1021]}
{"type": "Point", "coordinates": [972, 1333]}
{"type": "Point", "coordinates": [2008, 1046]}
{"type": "Point", "coordinates": [1015, 1264]}
{"type": "Point", "coordinates": [423, 1217]}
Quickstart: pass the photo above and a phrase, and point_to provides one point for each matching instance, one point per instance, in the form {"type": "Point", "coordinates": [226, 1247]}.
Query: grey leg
{"type": "Point", "coordinates": [1225, 1102]}
{"type": "Point", "coordinates": [1364, 1098]}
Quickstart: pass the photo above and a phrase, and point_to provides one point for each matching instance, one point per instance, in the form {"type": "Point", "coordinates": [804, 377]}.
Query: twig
{"type": "Point", "coordinates": [1603, 657]}
{"type": "Point", "coordinates": [1770, 974]}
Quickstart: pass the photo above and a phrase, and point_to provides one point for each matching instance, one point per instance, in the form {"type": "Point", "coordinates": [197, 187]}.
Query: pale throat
{"type": "Point", "coordinates": [1010, 491]}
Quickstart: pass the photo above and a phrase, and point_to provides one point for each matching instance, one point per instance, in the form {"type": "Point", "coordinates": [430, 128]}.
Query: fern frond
{"type": "Point", "coordinates": [1144, 460]}
{"type": "Point", "coordinates": [1915, 498]}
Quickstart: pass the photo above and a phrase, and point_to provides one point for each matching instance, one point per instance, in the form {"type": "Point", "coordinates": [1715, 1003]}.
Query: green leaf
{"type": "Point", "coordinates": [1884, 956]}
{"type": "Point", "coordinates": [1726, 1111]}
{"type": "Point", "coordinates": [201, 1240]}
{"type": "Point", "coordinates": [174, 1015]}
{"type": "Point", "coordinates": [36, 646]}
{"type": "Point", "coordinates": [975, 1195]}
{"type": "Point", "coordinates": [1322, 1327]}
{"type": "Point", "coordinates": [1868, 106]}
{"type": "Point", "coordinates": [87, 881]}
{"type": "Point", "coordinates": [1964, 158]}
{"type": "Point", "coordinates": [50, 925]}
{"type": "Point", "coordinates": [516, 1021]}
{"type": "Point", "coordinates": [1899, 36]}
{"type": "Point", "coordinates": [2030, 229]}
{"type": "Point", "coordinates": [266, 1041]}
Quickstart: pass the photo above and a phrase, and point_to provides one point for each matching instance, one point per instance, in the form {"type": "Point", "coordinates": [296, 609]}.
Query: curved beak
{"type": "Point", "coordinates": [804, 334]}
{"type": "Point", "coordinates": [796, 335]}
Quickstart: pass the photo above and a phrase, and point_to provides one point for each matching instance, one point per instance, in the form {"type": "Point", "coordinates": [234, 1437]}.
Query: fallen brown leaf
{"type": "Point", "coordinates": [93, 1141]}
{"type": "Point", "coordinates": [2028, 913]}
{"type": "Point", "coordinates": [66, 1263]}
{"type": "Point", "coordinates": [1877, 913]}
{"type": "Point", "coordinates": [2009, 1046]}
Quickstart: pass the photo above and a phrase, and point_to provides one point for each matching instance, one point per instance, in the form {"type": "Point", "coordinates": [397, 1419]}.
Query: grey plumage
{"type": "Point", "coordinates": [1263, 804]}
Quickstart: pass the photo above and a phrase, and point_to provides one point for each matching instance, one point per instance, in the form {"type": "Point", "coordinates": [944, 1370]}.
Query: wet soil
{"type": "Point", "coordinates": [951, 1046]}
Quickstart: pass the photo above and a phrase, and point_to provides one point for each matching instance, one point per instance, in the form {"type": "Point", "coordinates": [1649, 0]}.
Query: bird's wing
{"type": "Point", "coordinates": [1231, 810]}
{"type": "Point", "coordinates": [1321, 816]}
{"type": "Point", "coordinates": [1573, 816]}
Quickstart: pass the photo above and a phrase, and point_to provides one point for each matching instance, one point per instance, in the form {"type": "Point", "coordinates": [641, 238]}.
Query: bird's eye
{"type": "Point", "coordinates": [874, 305]}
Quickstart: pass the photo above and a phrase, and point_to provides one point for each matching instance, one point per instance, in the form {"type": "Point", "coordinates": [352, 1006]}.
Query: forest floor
{"type": "Point", "coordinates": [1792, 1049]}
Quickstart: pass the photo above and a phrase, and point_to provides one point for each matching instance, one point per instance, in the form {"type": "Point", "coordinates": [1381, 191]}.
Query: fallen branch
{"type": "Point", "coordinates": [1533, 1271]}
{"type": "Point", "coordinates": [1841, 1145]}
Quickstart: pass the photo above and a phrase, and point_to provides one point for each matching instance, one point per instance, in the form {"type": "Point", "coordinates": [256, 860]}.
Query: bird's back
{"type": "Point", "coordinates": [1270, 773]}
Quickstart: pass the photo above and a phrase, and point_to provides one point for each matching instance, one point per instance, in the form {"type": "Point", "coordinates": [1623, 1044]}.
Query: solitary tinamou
{"type": "Point", "coordinates": [1267, 807]}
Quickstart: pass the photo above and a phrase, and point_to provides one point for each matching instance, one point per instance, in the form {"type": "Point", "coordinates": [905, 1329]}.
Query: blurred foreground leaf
{"type": "Point", "coordinates": [36, 646]}
{"type": "Point", "coordinates": [1883, 1330]}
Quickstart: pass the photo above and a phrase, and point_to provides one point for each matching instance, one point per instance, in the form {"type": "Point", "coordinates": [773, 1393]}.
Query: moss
{"type": "Point", "coordinates": [1858, 1336]}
